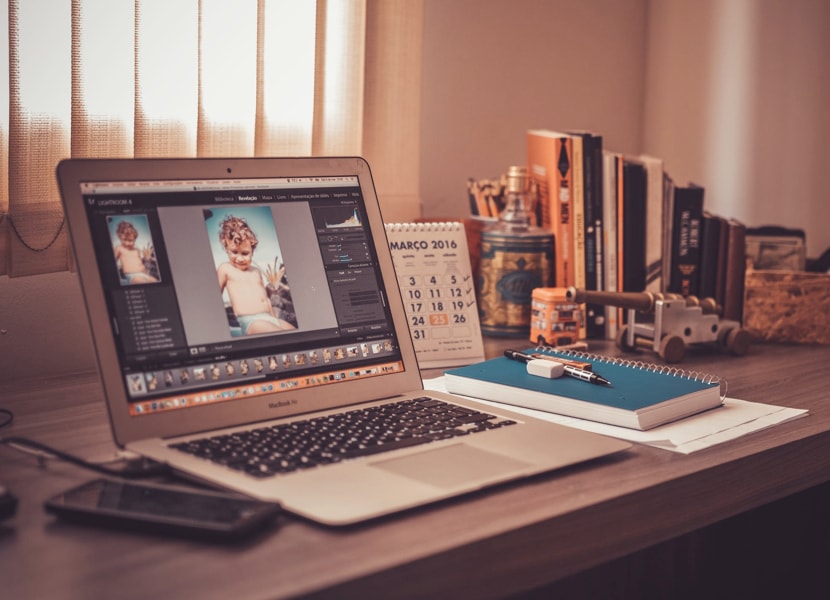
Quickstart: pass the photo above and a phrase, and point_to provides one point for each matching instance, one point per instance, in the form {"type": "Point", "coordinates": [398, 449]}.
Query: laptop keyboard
{"type": "Point", "coordinates": [287, 447]}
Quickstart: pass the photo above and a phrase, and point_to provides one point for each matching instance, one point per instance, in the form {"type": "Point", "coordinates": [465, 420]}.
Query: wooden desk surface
{"type": "Point", "coordinates": [513, 538]}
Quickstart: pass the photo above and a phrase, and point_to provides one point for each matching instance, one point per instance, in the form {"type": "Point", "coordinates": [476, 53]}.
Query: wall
{"type": "Point", "coordinates": [732, 94]}
{"type": "Point", "coordinates": [495, 68]}
{"type": "Point", "coordinates": [736, 100]}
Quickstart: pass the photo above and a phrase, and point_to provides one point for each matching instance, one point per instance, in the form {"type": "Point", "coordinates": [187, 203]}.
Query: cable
{"type": "Point", "coordinates": [144, 468]}
{"type": "Point", "coordinates": [9, 417]}
{"type": "Point", "coordinates": [136, 469]}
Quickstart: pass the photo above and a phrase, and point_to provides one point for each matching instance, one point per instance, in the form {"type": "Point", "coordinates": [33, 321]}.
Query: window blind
{"type": "Point", "coordinates": [191, 78]}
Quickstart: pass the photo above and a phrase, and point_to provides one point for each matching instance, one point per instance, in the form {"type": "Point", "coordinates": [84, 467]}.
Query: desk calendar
{"type": "Point", "coordinates": [432, 262]}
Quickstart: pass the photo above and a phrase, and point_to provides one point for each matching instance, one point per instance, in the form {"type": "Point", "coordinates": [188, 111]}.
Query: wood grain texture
{"type": "Point", "coordinates": [511, 539]}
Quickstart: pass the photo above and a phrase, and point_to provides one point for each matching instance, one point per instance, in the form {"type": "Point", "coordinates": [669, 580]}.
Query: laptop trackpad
{"type": "Point", "coordinates": [451, 466]}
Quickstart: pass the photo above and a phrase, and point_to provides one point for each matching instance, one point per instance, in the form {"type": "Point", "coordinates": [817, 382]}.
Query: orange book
{"type": "Point", "coordinates": [550, 163]}
{"type": "Point", "coordinates": [541, 161]}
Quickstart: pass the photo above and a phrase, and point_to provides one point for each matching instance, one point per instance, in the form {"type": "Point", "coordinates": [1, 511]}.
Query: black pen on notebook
{"type": "Point", "coordinates": [546, 368]}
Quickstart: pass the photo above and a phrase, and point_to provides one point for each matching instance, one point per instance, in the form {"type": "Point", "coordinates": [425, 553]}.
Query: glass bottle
{"type": "Point", "coordinates": [516, 257]}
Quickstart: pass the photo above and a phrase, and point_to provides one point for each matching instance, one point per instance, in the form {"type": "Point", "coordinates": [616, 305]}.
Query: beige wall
{"type": "Point", "coordinates": [495, 68]}
{"type": "Point", "coordinates": [737, 100]}
{"type": "Point", "coordinates": [732, 94]}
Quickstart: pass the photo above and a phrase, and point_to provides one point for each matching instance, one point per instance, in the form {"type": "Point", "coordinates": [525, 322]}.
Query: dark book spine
{"type": "Point", "coordinates": [594, 268]}
{"type": "Point", "coordinates": [634, 227]}
{"type": "Point", "coordinates": [685, 260]}
{"type": "Point", "coordinates": [709, 253]}
{"type": "Point", "coordinates": [733, 303]}
{"type": "Point", "coordinates": [723, 245]}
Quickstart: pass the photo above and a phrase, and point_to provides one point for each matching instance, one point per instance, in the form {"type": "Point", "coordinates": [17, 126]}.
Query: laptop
{"type": "Point", "coordinates": [232, 299]}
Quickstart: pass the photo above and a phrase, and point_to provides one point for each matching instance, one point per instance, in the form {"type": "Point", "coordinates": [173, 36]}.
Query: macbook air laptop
{"type": "Point", "coordinates": [248, 324]}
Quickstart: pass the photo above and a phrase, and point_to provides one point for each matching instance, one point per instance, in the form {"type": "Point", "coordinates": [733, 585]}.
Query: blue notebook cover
{"type": "Point", "coordinates": [640, 396]}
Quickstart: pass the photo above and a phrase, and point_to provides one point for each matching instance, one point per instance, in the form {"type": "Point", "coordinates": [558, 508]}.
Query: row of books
{"type": "Point", "coordinates": [622, 224]}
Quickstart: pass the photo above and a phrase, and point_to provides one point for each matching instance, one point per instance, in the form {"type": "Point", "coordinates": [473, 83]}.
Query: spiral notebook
{"type": "Point", "coordinates": [432, 262]}
{"type": "Point", "coordinates": [641, 395]}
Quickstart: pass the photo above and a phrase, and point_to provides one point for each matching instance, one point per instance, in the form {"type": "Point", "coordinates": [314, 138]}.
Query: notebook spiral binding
{"type": "Point", "coordinates": [543, 346]}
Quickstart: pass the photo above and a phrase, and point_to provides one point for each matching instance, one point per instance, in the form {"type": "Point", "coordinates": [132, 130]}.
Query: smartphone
{"type": "Point", "coordinates": [163, 509]}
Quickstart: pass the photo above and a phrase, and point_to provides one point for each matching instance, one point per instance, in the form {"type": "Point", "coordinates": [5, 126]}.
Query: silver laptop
{"type": "Point", "coordinates": [234, 300]}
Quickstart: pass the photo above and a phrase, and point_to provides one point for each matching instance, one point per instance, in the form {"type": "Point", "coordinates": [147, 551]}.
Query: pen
{"type": "Point", "coordinates": [574, 372]}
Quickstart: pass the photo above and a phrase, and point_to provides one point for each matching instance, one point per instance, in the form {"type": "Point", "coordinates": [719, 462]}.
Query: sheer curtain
{"type": "Point", "coordinates": [186, 78]}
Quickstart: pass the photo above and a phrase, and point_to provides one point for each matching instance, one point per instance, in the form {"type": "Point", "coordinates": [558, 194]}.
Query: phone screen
{"type": "Point", "coordinates": [171, 509]}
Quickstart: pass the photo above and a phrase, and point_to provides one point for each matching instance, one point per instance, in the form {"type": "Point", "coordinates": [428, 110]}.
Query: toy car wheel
{"type": "Point", "coordinates": [737, 341]}
{"type": "Point", "coordinates": [622, 340]}
{"type": "Point", "coordinates": [672, 349]}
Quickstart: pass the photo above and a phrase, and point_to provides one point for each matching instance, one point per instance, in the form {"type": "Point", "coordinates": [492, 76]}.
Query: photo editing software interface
{"type": "Point", "coordinates": [226, 289]}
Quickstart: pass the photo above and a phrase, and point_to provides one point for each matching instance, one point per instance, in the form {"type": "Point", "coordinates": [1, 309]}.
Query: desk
{"type": "Point", "coordinates": [619, 526]}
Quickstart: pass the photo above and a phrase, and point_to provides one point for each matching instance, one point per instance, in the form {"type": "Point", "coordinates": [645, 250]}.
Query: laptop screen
{"type": "Point", "coordinates": [220, 290]}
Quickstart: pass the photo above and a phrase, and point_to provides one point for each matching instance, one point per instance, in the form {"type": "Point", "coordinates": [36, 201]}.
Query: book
{"type": "Point", "coordinates": [654, 221]}
{"type": "Point", "coordinates": [619, 166]}
{"type": "Point", "coordinates": [541, 163]}
{"type": "Point", "coordinates": [578, 211]}
{"type": "Point", "coordinates": [578, 223]}
{"type": "Point", "coordinates": [609, 207]}
{"type": "Point", "coordinates": [685, 257]}
{"type": "Point", "coordinates": [720, 277]}
{"type": "Point", "coordinates": [550, 166]}
{"type": "Point", "coordinates": [668, 222]}
{"type": "Point", "coordinates": [641, 396]}
{"type": "Point", "coordinates": [733, 301]}
{"type": "Point", "coordinates": [634, 227]}
{"type": "Point", "coordinates": [592, 176]}
{"type": "Point", "coordinates": [710, 253]}
{"type": "Point", "coordinates": [435, 277]}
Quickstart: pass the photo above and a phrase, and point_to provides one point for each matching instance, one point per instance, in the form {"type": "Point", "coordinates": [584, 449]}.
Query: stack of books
{"type": "Point", "coordinates": [621, 224]}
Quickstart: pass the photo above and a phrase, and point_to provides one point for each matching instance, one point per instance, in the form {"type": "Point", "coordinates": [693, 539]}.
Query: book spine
{"type": "Point", "coordinates": [578, 222]}
{"type": "Point", "coordinates": [609, 207]}
{"type": "Point", "coordinates": [541, 161]}
{"type": "Point", "coordinates": [709, 252]}
{"type": "Point", "coordinates": [594, 269]}
{"type": "Point", "coordinates": [634, 227]}
{"type": "Point", "coordinates": [723, 254]}
{"type": "Point", "coordinates": [688, 212]}
{"type": "Point", "coordinates": [563, 199]}
{"type": "Point", "coordinates": [735, 271]}
{"type": "Point", "coordinates": [668, 226]}
{"type": "Point", "coordinates": [654, 223]}
{"type": "Point", "coordinates": [542, 156]}
{"type": "Point", "coordinates": [619, 168]}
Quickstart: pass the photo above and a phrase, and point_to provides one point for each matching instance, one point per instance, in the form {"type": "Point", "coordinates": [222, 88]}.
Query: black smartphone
{"type": "Point", "coordinates": [163, 509]}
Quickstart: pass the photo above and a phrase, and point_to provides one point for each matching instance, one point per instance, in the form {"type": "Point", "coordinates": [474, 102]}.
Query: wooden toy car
{"type": "Point", "coordinates": [668, 323]}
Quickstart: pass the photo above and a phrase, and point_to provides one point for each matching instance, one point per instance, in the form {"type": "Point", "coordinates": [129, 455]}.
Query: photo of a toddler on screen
{"type": "Point", "coordinates": [135, 265]}
{"type": "Point", "coordinates": [259, 300]}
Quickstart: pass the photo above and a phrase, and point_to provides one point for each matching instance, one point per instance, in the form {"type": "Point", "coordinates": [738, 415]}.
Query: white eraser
{"type": "Point", "coordinates": [549, 369]}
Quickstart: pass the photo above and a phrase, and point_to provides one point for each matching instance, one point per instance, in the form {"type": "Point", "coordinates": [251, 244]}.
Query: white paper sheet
{"type": "Point", "coordinates": [732, 420]}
